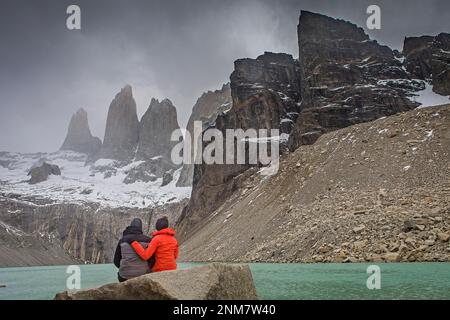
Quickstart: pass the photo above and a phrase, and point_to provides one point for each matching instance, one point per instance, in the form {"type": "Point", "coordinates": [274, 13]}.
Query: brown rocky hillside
{"type": "Point", "coordinates": [377, 191]}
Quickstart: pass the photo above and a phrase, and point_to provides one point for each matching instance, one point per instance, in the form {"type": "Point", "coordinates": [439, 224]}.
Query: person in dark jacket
{"type": "Point", "coordinates": [125, 258]}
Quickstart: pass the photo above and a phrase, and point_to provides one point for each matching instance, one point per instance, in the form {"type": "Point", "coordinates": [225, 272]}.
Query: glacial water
{"type": "Point", "coordinates": [273, 281]}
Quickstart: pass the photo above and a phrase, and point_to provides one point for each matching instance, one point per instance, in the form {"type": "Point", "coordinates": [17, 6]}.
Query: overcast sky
{"type": "Point", "coordinates": [173, 48]}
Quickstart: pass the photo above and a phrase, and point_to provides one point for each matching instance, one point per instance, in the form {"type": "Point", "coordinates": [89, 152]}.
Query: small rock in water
{"type": "Point", "coordinates": [2, 285]}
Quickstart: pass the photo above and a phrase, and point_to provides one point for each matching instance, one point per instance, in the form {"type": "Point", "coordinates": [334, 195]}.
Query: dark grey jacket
{"type": "Point", "coordinates": [129, 263]}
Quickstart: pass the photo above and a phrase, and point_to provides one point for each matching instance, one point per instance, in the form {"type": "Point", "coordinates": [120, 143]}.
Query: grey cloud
{"type": "Point", "coordinates": [173, 48]}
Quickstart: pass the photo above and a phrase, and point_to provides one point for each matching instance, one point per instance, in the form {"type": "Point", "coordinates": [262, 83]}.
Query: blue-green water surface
{"type": "Point", "coordinates": [272, 281]}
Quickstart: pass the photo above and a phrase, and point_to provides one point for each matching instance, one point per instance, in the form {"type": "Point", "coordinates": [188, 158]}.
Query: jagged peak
{"type": "Point", "coordinates": [81, 111]}
{"type": "Point", "coordinates": [126, 91]}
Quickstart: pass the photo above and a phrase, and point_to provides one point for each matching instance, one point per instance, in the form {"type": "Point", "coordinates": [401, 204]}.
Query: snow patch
{"type": "Point", "coordinates": [79, 184]}
{"type": "Point", "coordinates": [428, 98]}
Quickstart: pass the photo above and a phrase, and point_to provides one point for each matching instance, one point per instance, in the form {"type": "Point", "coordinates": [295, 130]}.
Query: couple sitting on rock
{"type": "Point", "coordinates": [137, 254]}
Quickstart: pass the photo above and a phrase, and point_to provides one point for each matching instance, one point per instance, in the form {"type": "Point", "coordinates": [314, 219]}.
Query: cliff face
{"type": "Point", "coordinates": [155, 130]}
{"type": "Point", "coordinates": [122, 128]}
{"type": "Point", "coordinates": [342, 78]}
{"type": "Point", "coordinates": [206, 110]}
{"type": "Point", "coordinates": [145, 146]}
{"type": "Point", "coordinates": [265, 94]}
{"type": "Point", "coordinates": [428, 58]}
{"type": "Point", "coordinates": [372, 192]}
{"type": "Point", "coordinates": [346, 78]}
{"type": "Point", "coordinates": [79, 137]}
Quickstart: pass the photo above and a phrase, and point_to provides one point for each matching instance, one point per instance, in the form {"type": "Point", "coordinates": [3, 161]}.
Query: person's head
{"type": "Point", "coordinates": [136, 223]}
{"type": "Point", "coordinates": [162, 223]}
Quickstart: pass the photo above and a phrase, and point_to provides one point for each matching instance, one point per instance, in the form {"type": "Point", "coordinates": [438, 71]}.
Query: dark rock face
{"type": "Point", "coordinates": [155, 130]}
{"type": "Point", "coordinates": [265, 91]}
{"type": "Point", "coordinates": [428, 58]}
{"type": "Point", "coordinates": [79, 137]}
{"type": "Point", "coordinates": [122, 128]}
{"type": "Point", "coordinates": [266, 95]}
{"type": "Point", "coordinates": [210, 282]}
{"type": "Point", "coordinates": [127, 139]}
{"type": "Point", "coordinates": [342, 78]}
{"type": "Point", "coordinates": [41, 173]}
{"type": "Point", "coordinates": [347, 78]}
{"type": "Point", "coordinates": [167, 178]}
{"type": "Point", "coordinates": [206, 110]}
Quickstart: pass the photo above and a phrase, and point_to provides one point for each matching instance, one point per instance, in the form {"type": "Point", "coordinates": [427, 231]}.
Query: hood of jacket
{"type": "Point", "coordinates": [166, 231]}
{"type": "Point", "coordinates": [132, 230]}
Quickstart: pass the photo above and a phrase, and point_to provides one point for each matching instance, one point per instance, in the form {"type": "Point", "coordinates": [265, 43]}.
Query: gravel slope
{"type": "Point", "coordinates": [378, 191]}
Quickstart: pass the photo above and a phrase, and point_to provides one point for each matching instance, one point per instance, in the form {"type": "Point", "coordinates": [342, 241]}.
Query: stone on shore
{"type": "Point", "coordinates": [208, 282]}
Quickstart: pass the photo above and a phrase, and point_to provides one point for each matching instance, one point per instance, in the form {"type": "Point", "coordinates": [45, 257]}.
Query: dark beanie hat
{"type": "Point", "coordinates": [162, 223]}
{"type": "Point", "coordinates": [136, 223]}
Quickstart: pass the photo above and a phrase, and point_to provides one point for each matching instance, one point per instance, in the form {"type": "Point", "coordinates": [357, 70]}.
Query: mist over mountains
{"type": "Point", "coordinates": [155, 46]}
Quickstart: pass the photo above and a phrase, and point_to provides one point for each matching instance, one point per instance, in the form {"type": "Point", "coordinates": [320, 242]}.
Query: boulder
{"type": "Point", "coordinates": [265, 95]}
{"type": "Point", "coordinates": [41, 173]}
{"type": "Point", "coordinates": [167, 178]}
{"type": "Point", "coordinates": [209, 282]}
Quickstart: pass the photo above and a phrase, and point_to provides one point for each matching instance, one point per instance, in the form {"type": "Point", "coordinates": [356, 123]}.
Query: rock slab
{"type": "Point", "coordinates": [41, 173]}
{"type": "Point", "coordinates": [209, 282]}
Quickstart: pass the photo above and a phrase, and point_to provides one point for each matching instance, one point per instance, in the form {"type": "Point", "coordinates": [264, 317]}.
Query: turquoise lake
{"type": "Point", "coordinates": [273, 281]}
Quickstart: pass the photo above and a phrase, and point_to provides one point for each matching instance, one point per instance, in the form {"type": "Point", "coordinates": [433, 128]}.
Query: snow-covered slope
{"type": "Point", "coordinates": [428, 98]}
{"type": "Point", "coordinates": [79, 183]}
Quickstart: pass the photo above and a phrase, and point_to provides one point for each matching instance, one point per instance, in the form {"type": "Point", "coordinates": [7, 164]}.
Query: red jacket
{"type": "Point", "coordinates": [164, 246]}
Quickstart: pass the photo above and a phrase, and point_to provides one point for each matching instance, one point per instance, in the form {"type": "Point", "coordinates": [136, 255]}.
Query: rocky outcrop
{"type": "Point", "coordinates": [209, 282]}
{"type": "Point", "coordinates": [86, 232]}
{"type": "Point", "coordinates": [41, 173]}
{"type": "Point", "coordinates": [428, 58]}
{"type": "Point", "coordinates": [372, 192]}
{"type": "Point", "coordinates": [206, 110]}
{"type": "Point", "coordinates": [265, 94]}
{"type": "Point", "coordinates": [167, 178]}
{"type": "Point", "coordinates": [341, 78]}
{"type": "Point", "coordinates": [155, 130]}
{"type": "Point", "coordinates": [122, 128]}
{"type": "Point", "coordinates": [347, 78]}
{"type": "Point", "coordinates": [79, 137]}
{"type": "Point", "coordinates": [265, 91]}
{"type": "Point", "coordinates": [149, 141]}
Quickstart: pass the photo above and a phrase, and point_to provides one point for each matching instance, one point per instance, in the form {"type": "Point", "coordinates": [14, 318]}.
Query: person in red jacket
{"type": "Point", "coordinates": [163, 245]}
